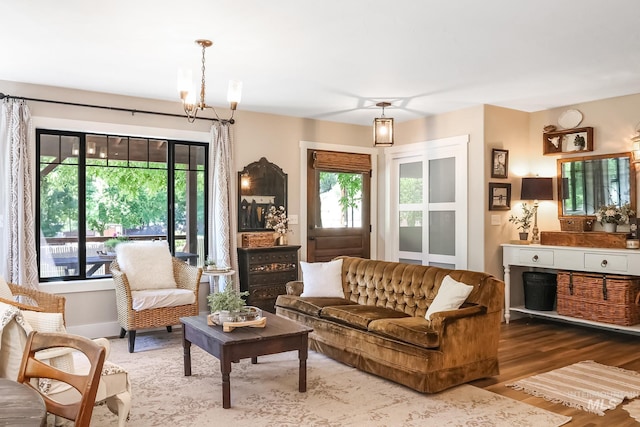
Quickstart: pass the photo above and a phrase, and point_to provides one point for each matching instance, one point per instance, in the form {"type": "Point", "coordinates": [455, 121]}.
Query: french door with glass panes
{"type": "Point", "coordinates": [428, 208]}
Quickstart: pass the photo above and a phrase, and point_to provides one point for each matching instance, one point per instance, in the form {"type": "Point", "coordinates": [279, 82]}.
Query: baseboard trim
{"type": "Point", "coordinates": [96, 330]}
{"type": "Point", "coordinates": [106, 329]}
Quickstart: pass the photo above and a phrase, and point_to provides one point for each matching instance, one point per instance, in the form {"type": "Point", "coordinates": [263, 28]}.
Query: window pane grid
{"type": "Point", "coordinates": [126, 192]}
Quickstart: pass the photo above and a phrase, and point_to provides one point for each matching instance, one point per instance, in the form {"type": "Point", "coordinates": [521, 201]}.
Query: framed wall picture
{"type": "Point", "coordinates": [499, 163]}
{"type": "Point", "coordinates": [499, 196]}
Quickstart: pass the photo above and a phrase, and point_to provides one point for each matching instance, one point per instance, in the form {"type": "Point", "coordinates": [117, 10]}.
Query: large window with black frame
{"type": "Point", "coordinates": [95, 191]}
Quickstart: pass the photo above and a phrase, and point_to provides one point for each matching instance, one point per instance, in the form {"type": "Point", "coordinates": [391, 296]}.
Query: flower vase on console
{"type": "Point", "coordinates": [612, 215]}
{"type": "Point", "coordinates": [278, 220]}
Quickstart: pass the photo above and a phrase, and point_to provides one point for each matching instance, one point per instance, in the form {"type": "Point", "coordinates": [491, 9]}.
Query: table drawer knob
{"type": "Point", "coordinates": [535, 258]}
{"type": "Point", "coordinates": [603, 263]}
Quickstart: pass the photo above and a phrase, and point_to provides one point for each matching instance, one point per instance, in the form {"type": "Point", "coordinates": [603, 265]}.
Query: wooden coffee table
{"type": "Point", "coordinates": [278, 336]}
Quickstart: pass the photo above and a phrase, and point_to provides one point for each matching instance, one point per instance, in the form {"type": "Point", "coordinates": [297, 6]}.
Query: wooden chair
{"type": "Point", "coordinates": [87, 385]}
{"type": "Point", "coordinates": [186, 277]}
{"type": "Point", "coordinates": [114, 386]}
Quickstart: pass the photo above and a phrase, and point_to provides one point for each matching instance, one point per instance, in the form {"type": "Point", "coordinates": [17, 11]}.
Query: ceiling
{"type": "Point", "coordinates": [333, 60]}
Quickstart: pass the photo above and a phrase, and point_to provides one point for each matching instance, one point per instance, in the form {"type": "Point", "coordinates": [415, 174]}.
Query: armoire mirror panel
{"type": "Point", "coordinates": [586, 183]}
{"type": "Point", "coordinates": [261, 184]}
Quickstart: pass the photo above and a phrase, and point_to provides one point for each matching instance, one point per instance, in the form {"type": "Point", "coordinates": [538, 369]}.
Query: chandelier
{"type": "Point", "coordinates": [383, 128]}
{"type": "Point", "coordinates": [188, 95]}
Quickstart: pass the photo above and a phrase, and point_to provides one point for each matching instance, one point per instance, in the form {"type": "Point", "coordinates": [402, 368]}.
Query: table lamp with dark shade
{"type": "Point", "coordinates": [536, 188]}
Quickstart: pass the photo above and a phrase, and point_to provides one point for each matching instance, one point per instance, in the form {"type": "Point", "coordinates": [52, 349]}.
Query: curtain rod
{"type": "Point", "coordinates": [127, 110]}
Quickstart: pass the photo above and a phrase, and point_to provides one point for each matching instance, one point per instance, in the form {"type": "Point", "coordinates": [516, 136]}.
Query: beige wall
{"type": "Point", "coordinates": [614, 121]}
{"type": "Point", "coordinates": [277, 138]}
{"type": "Point", "coordinates": [508, 130]}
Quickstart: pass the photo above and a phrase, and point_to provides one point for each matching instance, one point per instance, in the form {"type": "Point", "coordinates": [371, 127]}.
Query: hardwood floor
{"type": "Point", "coordinates": [533, 346]}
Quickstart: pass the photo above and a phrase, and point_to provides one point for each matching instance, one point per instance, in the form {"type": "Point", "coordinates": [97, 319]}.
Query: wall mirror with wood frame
{"type": "Point", "coordinates": [586, 183]}
{"type": "Point", "coordinates": [261, 184]}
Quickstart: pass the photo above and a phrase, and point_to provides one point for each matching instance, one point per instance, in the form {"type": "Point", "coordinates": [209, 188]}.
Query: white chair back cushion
{"type": "Point", "coordinates": [12, 343]}
{"type": "Point", "coordinates": [148, 265]}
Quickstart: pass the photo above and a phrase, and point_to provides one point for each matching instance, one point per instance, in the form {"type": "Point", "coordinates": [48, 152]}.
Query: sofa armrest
{"type": "Point", "coordinates": [294, 288]}
{"type": "Point", "coordinates": [440, 318]}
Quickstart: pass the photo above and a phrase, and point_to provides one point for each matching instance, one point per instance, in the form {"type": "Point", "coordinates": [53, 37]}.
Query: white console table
{"type": "Point", "coordinates": [596, 260]}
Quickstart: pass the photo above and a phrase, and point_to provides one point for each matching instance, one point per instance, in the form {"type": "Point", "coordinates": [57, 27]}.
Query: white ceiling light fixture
{"type": "Point", "coordinates": [188, 95]}
{"type": "Point", "coordinates": [383, 128]}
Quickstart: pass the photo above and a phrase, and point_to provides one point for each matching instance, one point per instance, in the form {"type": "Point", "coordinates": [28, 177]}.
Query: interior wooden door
{"type": "Point", "coordinates": [338, 205]}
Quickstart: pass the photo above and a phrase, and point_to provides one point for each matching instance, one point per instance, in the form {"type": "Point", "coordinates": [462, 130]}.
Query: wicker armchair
{"type": "Point", "coordinates": [34, 300]}
{"type": "Point", "coordinates": [186, 276]}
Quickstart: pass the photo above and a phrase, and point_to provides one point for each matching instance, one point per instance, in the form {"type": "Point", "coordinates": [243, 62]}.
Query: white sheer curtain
{"type": "Point", "coordinates": [18, 258]}
{"type": "Point", "coordinates": [222, 241]}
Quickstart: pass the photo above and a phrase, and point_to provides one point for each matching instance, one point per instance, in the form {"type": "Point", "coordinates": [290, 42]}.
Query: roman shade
{"type": "Point", "coordinates": [334, 161]}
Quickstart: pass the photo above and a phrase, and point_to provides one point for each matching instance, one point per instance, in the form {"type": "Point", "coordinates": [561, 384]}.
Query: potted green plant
{"type": "Point", "coordinates": [226, 305]}
{"type": "Point", "coordinates": [523, 222]}
{"type": "Point", "coordinates": [110, 245]}
{"type": "Point", "coordinates": [209, 264]}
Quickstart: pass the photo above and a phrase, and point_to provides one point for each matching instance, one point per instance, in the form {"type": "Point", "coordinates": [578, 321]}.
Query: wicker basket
{"type": "Point", "coordinates": [576, 224]}
{"type": "Point", "coordinates": [602, 298]}
{"type": "Point", "coordinates": [257, 240]}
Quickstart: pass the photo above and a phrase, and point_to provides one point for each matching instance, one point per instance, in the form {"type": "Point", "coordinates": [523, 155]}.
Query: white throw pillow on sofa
{"type": "Point", "coordinates": [148, 265]}
{"type": "Point", "coordinates": [322, 279]}
{"type": "Point", "coordinates": [451, 295]}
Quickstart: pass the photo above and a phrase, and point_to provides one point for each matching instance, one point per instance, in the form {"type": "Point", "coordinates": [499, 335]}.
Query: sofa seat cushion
{"type": "Point", "coordinates": [158, 298]}
{"type": "Point", "coordinates": [412, 330]}
{"type": "Point", "coordinates": [310, 305]}
{"type": "Point", "coordinates": [358, 315]}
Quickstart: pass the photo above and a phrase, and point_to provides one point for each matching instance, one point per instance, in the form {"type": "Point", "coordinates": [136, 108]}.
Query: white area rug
{"type": "Point", "coordinates": [587, 385]}
{"type": "Point", "coordinates": [267, 394]}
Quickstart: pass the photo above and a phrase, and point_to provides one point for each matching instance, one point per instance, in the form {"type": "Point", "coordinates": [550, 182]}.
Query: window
{"type": "Point", "coordinates": [95, 190]}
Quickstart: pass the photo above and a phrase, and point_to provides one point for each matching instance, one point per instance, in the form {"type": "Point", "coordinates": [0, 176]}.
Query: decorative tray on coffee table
{"type": "Point", "coordinates": [252, 318]}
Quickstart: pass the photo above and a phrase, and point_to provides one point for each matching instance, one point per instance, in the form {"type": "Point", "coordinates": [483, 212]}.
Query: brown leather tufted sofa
{"type": "Point", "coordinates": [379, 327]}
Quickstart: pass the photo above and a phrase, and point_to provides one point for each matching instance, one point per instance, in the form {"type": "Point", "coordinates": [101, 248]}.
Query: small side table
{"type": "Point", "coordinates": [21, 405]}
{"type": "Point", "coordinates": [213, 278]}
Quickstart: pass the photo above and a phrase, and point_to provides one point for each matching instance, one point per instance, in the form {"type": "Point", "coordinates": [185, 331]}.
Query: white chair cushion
{"type": "Point", "coordinates": [14, 339]}
{"type": "Point", "coordinates": [451, 295]}
{"type": "Point", "coordinates": [157, 298]}
{"type": "Point", "coordinates": [322, 279]}
{"type": "Point", "coordinates": [148, 265]}
{"type": "Point", "coordinates": [113, 380]}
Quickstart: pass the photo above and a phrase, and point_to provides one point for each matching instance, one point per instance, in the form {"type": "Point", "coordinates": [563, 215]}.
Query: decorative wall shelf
{"type": "Point", "coordinates": [578, 140]}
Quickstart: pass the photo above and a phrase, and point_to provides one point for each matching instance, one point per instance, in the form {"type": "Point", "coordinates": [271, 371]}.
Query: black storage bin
{"type": "Point", "coordinates": [539, 290]}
